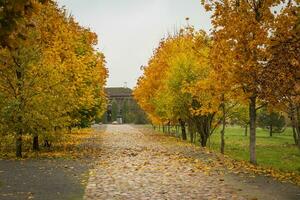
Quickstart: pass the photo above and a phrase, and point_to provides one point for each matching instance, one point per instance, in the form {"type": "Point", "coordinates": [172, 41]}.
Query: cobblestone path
{"type": "Point", "coordinates": [136, 165]}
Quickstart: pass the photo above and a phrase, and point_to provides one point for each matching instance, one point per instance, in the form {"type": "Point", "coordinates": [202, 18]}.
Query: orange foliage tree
{"type": "Point", "coordinates": [245, 28]}
{"type": "Point", "coordinates": [281, 77]}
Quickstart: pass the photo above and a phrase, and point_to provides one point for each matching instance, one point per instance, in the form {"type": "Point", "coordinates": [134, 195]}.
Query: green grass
{"type": "Point", "coordinates": [278, 152]}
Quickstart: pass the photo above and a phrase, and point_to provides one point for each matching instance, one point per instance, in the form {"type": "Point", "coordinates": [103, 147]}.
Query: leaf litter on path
{"type": "Point", "coordinates": [134, 165]}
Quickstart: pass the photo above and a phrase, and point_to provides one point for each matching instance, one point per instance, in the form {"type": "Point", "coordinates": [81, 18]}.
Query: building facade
{"type": "Point", "coordinates": [122, 107]}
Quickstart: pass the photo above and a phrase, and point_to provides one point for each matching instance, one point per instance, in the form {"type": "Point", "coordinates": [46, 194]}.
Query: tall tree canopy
{"type": "Point", "coordinates": [167, 91]}
{"type": "Point", "coordinates": [52, 78]}
{"type": "Point", "coordinates": [246, 29]}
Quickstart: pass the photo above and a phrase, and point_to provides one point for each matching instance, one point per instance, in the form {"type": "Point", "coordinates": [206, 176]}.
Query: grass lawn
{"type": "Point", "coordinates": [278, 152]}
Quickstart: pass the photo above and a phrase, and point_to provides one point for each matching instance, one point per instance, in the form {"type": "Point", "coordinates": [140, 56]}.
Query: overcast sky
{"type": "Point", "coordinates": [129, 30]}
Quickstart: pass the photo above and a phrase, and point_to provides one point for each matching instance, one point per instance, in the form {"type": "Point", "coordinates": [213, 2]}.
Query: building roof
{"type": "Point", "coordinates": [118, 92]}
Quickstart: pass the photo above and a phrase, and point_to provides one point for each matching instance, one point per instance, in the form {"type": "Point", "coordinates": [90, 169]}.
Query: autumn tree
{"type": "Point", "coordinates": [149, 92]}
{"type": "Point", "coordinates": [51, 74]}
{"type": "Point", "coordinates": [152, 81]}
{"type": "Point", "coordinates": [281, 87]}
{"type": "Point", "coordinates": [219, 86]}
{"type": "Point", "coordinates": [173, 102]}
{"type": "Point", "coordinates": [183, 94]}
{"type": "Point", "coordinates": [12, 14]}
{"type": "Point", "coordinates": [245, 27]}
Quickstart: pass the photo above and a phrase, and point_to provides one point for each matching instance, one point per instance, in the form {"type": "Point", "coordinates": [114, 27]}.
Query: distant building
{"type": "Point", "coordinates": [119, 94]}
{"type": "Point", "coordinates": [122, 107]}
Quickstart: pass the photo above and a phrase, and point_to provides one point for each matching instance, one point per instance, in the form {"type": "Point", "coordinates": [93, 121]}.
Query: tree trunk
{"type": "Point", "coordinates": [246, 130]}
{"type": "Point", "coordinates": [192, 136]}
{"type": "Point", "coordinates": [294, 116]}
{"type": "Point", "coordinates": [19, 145]}
{"type": "Point", "coordinates": [19, 138]}
{"type": "Point", "coordinates": [222, 149]}
{"type": "Point", "coordinates": [271, 130]}
{"type": "Point", "coordinates": [190, 130]}
{"type": "Point", "coordinates": [19, 75]}
{"type": "Point", "coordinates": [252, 116]}
{"type": "Point", "coordinates": [205, 129]}
{"type": "Point", "coordinates": [47, 144]}
{"type": "Point", "coordinates": [295, 135]}
{"type": "Point", "coordinates": [296, 128]}
{"type": "Point", "coordinates": [183, 130]}
{"type": "Point", "coordinates": [163, 128]}
{"type": "Point", "coordinates": [298, 140]}
{"type": "Point", "coordinates": [35, 144]}
{"type": "Point", "coordinates": [297, 120]}
{"type": "Point", "coordinates": [203, 141]}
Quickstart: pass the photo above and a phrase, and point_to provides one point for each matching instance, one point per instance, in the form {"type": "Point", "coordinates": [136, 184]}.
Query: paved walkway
{"type": "Point", "coordinates": [135, 165]}
{"type": "Point", "coordinates": [134, 162]}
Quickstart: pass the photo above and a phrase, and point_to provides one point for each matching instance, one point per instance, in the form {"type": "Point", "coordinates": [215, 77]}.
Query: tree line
{"type": "Point", "coordinates": [51, 76]}
{"type": "Point", "coordinates": [250, 61]}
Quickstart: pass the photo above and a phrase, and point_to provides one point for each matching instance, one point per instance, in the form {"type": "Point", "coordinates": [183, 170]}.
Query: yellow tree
{"type": "Point", "coordinates": [51, 73]}
{"type": "Point", "coordinates": [78, 72]}
{"type": "Point", "coordinates": [245, 28]}
{"type": "Point", "coordinates": [13, 87]}
{"type": "Point", "coordinates": [151, 82]}
{"type": "Point", "coordinates": [189, 50]}
{"type": "Point", "coordinates": [220, 84]}
{"type": "Point", "coordinates": [184, 58]}
{"type": "Point", "coordinates": [190, 65]}
{"type": "Point", "coordinates": [12, 14]}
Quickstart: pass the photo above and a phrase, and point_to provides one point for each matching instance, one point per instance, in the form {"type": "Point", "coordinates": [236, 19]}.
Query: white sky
{"type": "Point", "coordinates": [129, 30]}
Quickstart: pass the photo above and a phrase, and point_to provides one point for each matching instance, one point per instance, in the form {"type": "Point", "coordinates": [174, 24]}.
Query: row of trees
{"type": "Point", "coordinates": [272, 121]}
{"type": "Point", "coordinates": [251, 58]}
{"type": "Point", "coordinates": [51, 77]}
